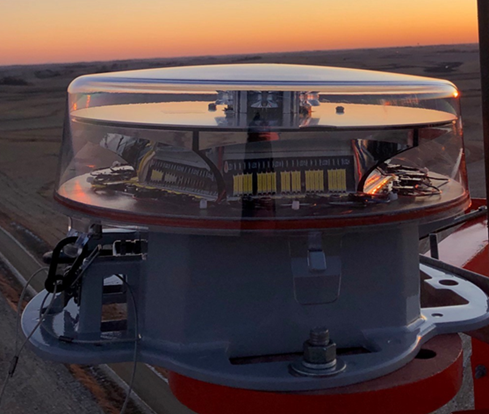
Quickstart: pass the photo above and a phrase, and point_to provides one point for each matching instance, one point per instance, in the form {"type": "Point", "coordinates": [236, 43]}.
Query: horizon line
{"type": "Point", "coordinates": [13, 65]}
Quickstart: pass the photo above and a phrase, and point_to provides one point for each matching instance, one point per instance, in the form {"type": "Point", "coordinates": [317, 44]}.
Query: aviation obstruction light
{"type": "Point", "coordinates": [247, 208]}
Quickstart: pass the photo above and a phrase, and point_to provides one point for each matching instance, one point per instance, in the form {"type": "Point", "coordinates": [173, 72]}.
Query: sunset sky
{"type": "Point", "coordinates": [45, 31]}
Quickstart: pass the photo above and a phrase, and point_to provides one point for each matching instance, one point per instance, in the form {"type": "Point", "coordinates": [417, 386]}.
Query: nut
{"type": "Point", "coordinates": [319, 355]}
{"type": "Point", "coordinates": [319, 358]}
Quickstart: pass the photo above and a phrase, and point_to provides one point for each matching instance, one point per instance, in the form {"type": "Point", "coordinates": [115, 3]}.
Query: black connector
{"type": "Point", "coordinates": [53, 276]}
{"type": "Point", "coordinates": [63, 258]}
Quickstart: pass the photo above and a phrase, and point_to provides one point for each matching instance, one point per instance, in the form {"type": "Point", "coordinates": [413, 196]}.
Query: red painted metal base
{"type": "Point", "coordinates": [402, 392]}
{"type": "Point", "coordinates": [420, 387]}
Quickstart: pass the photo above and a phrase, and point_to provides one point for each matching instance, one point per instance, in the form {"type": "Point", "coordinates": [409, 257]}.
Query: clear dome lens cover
{"type": "Point", "coordinates": [262, 147]}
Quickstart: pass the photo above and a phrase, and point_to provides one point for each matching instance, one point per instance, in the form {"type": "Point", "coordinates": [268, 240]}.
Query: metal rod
{"type": "Point", "coordinates": [481, 211]}
{"type": "Point", "coordinates": [483, 15]}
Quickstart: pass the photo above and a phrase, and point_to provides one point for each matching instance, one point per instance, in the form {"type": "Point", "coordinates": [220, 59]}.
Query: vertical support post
{"type": "Point", "coordinates": [416, 137]}
{"type": "Point", "coordinates": [483, 16]}
{"type": "Point", "coordinates": [195, 141]}
{"type": "Point", "coordinates": [91, 306]}
{"type": "Point", "coordinates": [434, 246]}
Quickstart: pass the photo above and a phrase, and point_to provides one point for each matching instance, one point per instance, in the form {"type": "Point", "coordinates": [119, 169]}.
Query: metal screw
{"type": "Point", "coordinates": [480, 371]}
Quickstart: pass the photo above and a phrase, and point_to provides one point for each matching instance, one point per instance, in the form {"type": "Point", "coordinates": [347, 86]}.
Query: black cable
{"type": "Point", "coordinates": [43, 314]}
{"type": "Point", "coordinates": [91, 257]}
{"type": "Point", "coordinates": [85, 264]}
{"type": "Point", "coordinates": [15, 359]}
{"type": "Point", "coordinates": [21, 300]}
{"type": "Point", "coordinates": [113, 341]}
{"type": "Point", "coordinates": [53, 277]}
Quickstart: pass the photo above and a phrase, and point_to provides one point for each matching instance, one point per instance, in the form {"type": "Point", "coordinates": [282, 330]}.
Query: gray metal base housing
{"type": "Point", "coordinates": [236, 310]}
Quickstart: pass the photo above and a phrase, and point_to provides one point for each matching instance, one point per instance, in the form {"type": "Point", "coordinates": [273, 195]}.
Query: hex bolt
{"type": "Point", "coordinates": [319, 336]}
{"type": "Point", "coordinates": [480, 371]}
{"type": "Point", "coordinates": [319, 351]}
{"type": "Point", "coordinates": [319, 357]}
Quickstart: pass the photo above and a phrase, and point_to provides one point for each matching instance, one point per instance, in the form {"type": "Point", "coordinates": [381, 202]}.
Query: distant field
{"type": "Point", "coordinates": [32, 106]}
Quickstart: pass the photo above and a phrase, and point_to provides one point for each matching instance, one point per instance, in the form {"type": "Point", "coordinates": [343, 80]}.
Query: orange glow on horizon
{"type": "Point", "coordinates": [53, 31]}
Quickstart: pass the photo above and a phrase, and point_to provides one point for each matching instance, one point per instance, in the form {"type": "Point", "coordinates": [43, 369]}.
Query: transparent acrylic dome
{"type": "Point", "coordinates": [262, 147]}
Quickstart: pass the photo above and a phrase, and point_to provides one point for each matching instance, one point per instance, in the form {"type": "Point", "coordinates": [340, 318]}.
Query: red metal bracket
{"type": "Point", "coordinates": [468, 248]}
